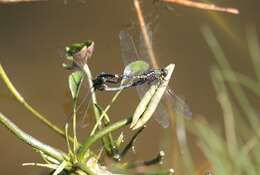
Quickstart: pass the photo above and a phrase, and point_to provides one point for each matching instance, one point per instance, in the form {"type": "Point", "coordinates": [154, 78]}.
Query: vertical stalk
{"type": "Point", "coordinates": [75, 141]}
{"type": "Point", "coordinates": [108, 140]}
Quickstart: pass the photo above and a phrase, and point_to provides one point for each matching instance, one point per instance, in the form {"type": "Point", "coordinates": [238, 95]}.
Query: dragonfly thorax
{"type": "Point", "coordinates": [153, 74]}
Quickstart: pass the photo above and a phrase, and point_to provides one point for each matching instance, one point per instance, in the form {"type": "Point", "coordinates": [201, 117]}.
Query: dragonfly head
{"type": "Point", "coordinates": [99, 83]}
{"type": "Point", "coordinates": [164, 72]}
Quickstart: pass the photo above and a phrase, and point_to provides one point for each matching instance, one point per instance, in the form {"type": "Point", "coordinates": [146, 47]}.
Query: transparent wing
{"type": "Point", "coordinates": [177, 103]}
{"type": "Point", "coordinates": [130, 54]}
{"type": "Point", "coordinates": [143, 50]}
{"type": "Point", "coordinates": [83, 107]}
{"type": "Point", "coordinates": [160, 115]}
{"type": "Point", "coordinates": [173, 100]}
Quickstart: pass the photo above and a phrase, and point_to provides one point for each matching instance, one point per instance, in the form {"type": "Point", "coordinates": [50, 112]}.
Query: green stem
{"type": "Point", "coordinates": [104, 115]}
{"type": "Point", "coordinates": [20, 99]}
{"type": "Point", "coordinates": [107, 141]}
{"type": "Point", "coordinates": [112, 147]}
{"type": "Point", "coordinates": [67, 139]}
{"type": "Point", "coordinates": [75, 141]}
{"type": "Point", "coordinates": [38, 145]}
{"type": "Point", "coordinates": [56, 154]}
{"type": "Point", "coordinates": [112, 144]}
{"type": "Point", "coordinates": [92, 90]}
{"type": "Point", "coordinates": [100, 134]}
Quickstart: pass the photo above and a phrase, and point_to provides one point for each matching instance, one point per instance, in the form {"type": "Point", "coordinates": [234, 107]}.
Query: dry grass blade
{"type": "Point", "coordinates": [201, 5]}
{"type": "Point", "coordinates": [144, 30]}
{"type": "Point", "coordinates": [17, 1]}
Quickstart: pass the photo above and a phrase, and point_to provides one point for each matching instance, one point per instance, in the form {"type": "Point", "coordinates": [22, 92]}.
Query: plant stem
{"type": "Point", "coordinates": [38, 145]}
{"type": "Point", "coordinates": [92, 90]}
{"type": "Point", "coordinates": [92, 139]}
{"type": "Point", "coordinates": [75, 141]}
{"type": "Point", "coordinates": [67, 139]}
{"type": "Point", "coordinates": [20, 99]}
{"type": "Point", "coordinates": [107, 141]}
{"type": "Point", "coordinates": [204, 6]}
{"type": "Point", "coordinates": [56, 154]}
{"type": "Point", "coordinates": [104, 114]}
{"type": "Point", "coordinates": [113, 146]}
{"type": "Point", "coordinates": [147, 40]}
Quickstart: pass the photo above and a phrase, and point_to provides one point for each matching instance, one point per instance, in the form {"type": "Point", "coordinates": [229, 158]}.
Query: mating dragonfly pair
{"type": "Point", "coordinates": [140, 79]}
{"type": "Point", "coordinates": [102, 81]}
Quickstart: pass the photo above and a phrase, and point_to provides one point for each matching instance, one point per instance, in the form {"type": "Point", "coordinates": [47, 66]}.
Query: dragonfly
{"type": "Point", "coordinates": [129, 53]}
{"type": "Point", "coordinates": [103, 80]}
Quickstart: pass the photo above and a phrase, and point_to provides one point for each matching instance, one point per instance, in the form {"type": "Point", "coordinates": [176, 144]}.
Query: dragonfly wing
{"type": "Point", "coordinates": [177, 103]}
{"type": "Point", "coordinates": [129, 52]}
{"type": "Point", "coordinates": [83, 107]}
{"type": "Point", "coordinates": [130, 57]}
{"type": "Point", "coordinates": [161, 116]}
{"type": "Point", "coordinates": [143, 49]}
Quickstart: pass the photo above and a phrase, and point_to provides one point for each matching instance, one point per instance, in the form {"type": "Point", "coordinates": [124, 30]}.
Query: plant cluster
{"type": "Point", "coordinates": [80, 158]}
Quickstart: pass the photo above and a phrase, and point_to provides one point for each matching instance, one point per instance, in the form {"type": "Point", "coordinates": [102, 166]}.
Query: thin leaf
{"type": "Point", "coordinates": [236, 89]}
{"type": "Point", "coordinates": [214, 147]}
{"type": "Point", "coordinates": [50, 166]}
{"type": "Point", "coordinates": [47, 158]}
{"type": "Point", "coordinates": [60, 168]}
{"type": "Point", "coordinates": [67, 138]}
{"type": "Point", "coordinates": [150, 101]}
{"type": "Point", "coordinates": [143, 105]}
{"type": "Point", "coordinates": [108, 142]}
{"type": "Point", "coordinates": [75, 80]}
{"type": "Point", "coordinates": [120, 139]}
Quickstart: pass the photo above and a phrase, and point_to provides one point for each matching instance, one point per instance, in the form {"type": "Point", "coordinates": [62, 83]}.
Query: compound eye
{"type": "Point", "coordinates": [165, 72]}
